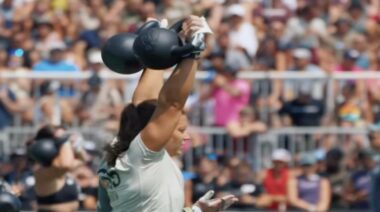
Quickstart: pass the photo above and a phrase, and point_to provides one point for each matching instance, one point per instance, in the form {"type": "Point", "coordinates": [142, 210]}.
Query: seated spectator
{"type": "Point", "coordinates": [246, 124]}
{"type": "Point", "coordinates": [309, 191]}
{"type": "Point", "coordinates": [231, 95]}
{"type": "Point", "coordinates": [242, 185]}
{"type": "Point", "coordinates": [206, 178]}
{"type": "Point", "coordinates": [302, 111]}
{"type": "Point", "coordinates": [336, 173]}
{"type": "Point", "coordinates": [357, 188]}
{"type": "Point", "coordinates": [275, 179]}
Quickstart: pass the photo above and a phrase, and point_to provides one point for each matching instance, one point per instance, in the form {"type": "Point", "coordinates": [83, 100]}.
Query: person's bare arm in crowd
{"type": "Point", "coordinates": [172, 97]}
{"type": "Point", "coordinates": [221, 82]}
{"type": "Point", "coordinates": [237, 131]}
{"type": "Point", "coordinates": [325, 195]}
{"type": "Point", "coordinates": [293, 196]}
{"type": "Point", "coordinates": [12, 106]}
{"type": "Point", "coordinates": [149, 86]}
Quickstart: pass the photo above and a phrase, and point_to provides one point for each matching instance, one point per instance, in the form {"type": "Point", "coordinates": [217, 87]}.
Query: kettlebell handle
{"type": "Point", "coordinates": [177, 27]}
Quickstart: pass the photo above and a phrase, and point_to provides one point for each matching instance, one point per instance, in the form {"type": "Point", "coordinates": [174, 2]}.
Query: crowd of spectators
{"type": "Point", "coordinates": [287, 36]}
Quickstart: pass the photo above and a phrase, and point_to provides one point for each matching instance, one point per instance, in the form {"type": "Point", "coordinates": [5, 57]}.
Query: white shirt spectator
{"type": "Point", "coordinates": [245, 37]}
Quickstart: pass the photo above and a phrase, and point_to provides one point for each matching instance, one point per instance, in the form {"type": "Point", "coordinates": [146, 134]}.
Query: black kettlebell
{"type": "Point", "coordinates": [159, 48]}
{"type": "Point", "coordinates": [9, 202]}
{"type": "Point", "coordinates": [117, 52]}
{"type": "Point", "coordinates": [44, 151]}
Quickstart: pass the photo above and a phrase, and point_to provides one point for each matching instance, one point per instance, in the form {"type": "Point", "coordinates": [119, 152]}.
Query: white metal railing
{"type": "Point", "coordinates": [258, 147]}
{"type": "Point", "coordinates": [200, 75]}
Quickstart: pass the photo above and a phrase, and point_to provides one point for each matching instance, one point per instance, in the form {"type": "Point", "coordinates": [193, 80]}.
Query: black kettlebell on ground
{"type": "Point", "coordinates": [9, 202]}
{"type": "Point", "coordinates": [160, 48]}
{"type": "Point", "coordinates": [118, 54]}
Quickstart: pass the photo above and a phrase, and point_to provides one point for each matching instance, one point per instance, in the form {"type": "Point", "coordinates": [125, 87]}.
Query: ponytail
{"type": "Point", "coordinates": [133, 119]}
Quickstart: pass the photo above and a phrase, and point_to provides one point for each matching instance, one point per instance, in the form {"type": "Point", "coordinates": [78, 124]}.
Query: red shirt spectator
{"type": "Point", "coordinates": [275, 179]}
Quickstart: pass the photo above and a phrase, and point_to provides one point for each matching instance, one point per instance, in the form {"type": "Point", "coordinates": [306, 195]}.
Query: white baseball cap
{"type": "Point", "coordinates": [281, 155]}
{"type": "Point", "coordinates": [236, 9]}
{"type": "Point", "coordinates": [302, 53]}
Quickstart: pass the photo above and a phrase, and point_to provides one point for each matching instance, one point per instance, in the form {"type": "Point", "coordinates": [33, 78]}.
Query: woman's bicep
{"type": "Point", "coordinates": [161, 127]}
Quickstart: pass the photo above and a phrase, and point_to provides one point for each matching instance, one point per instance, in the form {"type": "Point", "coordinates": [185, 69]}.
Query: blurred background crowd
{"type": "Point", "coordinates": [295, 37]}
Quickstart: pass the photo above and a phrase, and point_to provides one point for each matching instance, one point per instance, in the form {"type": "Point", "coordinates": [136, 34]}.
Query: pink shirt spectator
{"type": "Point", "coordinates": [227, 107]}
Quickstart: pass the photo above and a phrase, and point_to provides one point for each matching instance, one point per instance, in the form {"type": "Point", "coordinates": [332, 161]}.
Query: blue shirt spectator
{"type": "Point", "coordinates": [56, 62]}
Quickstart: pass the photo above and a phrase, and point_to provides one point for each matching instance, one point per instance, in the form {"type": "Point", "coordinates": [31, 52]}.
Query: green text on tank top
{"type": "Point", "coordinates": [109, 179]}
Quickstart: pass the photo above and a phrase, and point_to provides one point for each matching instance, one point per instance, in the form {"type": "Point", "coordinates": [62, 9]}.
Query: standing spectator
{"type": "Point", "coordinates": [302, 111]}
{"type": "Point", "coordinates": [275, 179]}
{"type": "Point", "coordinates": [357, 188]}
{"type": "Point", "coordinates": [56, 62]}
{"type": "Point", "coordinates": [302, 63]}
{"type": "Point", "coordinates": [309, 191]}
{"type": "Point", "coordinates": [348, 64]}
{"type": "Point", "coordinates": [242, 34]}
{"type": "Point", "coordinates": [9, 106]}
{"type": "Point", "coordinates": [231, 95]}
{"type": "Point", "coordinates": [242, 184]}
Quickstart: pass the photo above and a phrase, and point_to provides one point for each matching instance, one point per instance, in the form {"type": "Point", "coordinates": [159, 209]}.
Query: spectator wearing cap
{"type": "Point", "coordinates": [309, 191]}
{"type": "Point", "coordinates": [275, 179]}
{"type": "Point", "coordinates": [302, 63]}
{"type": "Point", "coordinates": [358, 187]}
{"type": "Point", "coordinates": [242, 34]}
{"type": "Point", "coordinates": [231, 95]}
{"type": "Point", "coordinates": [303, 110]}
